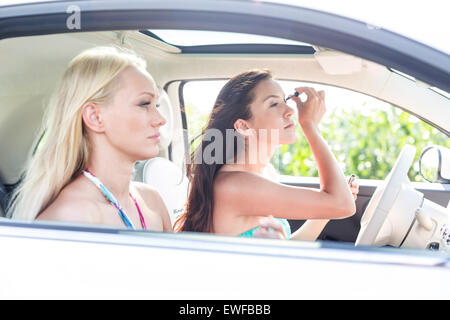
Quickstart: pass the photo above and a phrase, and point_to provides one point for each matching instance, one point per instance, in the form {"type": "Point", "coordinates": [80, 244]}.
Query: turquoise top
{"type": "Point", "coordinates": [286, 226]}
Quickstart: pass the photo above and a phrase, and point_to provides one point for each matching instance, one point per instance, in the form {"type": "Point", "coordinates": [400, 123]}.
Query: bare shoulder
{"type": "Point", "coordinates": [233, 183]}
{"type": "Point", "coordinates": [242, 193]}
{"type": "Point", "coordinates": [71, 207]}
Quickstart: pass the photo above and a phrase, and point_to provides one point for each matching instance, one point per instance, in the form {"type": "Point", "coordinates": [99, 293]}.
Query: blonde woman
{"type": "Point", "coordinates": [102, 119]}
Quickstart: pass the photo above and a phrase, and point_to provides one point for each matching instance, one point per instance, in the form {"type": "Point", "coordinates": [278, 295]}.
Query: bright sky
{"type": "Point", "coordinates": [200, 37]}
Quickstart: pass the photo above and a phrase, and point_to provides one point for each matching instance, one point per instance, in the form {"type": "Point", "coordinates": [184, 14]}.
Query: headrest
{"type": "Point", "coordinates": [168, 179]}
{"type": "Point", "coordinates": [165, 108]}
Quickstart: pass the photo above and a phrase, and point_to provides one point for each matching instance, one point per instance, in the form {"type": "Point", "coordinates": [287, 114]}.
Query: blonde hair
{"type": "Point", "coordinates": [63, 153]}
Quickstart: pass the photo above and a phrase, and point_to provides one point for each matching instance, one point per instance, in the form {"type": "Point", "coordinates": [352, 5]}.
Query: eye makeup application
{"type": "Point", "coordinates": [296, 94]}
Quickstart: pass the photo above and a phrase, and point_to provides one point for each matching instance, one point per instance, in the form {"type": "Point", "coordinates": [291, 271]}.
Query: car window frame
{"type": "Point", "coordinates": [270, 19]}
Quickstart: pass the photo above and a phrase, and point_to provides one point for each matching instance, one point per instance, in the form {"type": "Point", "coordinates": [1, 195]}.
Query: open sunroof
{"type": "Point", "coordinates": [199, 41]}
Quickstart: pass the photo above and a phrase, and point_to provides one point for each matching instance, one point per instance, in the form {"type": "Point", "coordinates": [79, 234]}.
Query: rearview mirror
{"type": "Point", "coordinates": [434, 164]}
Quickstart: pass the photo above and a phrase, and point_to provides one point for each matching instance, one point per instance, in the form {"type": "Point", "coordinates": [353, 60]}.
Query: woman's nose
{"type": "Point", "coordinates": [289, 112]}
{"type": "Point", "coordinates": [158, 119]}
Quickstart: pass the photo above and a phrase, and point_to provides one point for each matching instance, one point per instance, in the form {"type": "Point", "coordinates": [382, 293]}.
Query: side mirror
{"type": "Point", "coordinates": [434, 164]}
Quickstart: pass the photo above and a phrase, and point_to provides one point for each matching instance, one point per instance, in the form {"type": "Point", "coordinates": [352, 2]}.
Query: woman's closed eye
{"type": "Point", "coordinates": [273, 104]}
{"type": "Point", "coordinates": [146, 104]}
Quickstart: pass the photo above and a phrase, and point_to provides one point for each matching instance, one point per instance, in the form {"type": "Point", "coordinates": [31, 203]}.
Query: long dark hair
{"type": "Point", "coordinates": [232, 103]}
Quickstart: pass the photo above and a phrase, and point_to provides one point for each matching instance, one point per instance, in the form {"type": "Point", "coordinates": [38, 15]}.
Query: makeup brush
{"type": "Point", "coordinates": [292, 95]}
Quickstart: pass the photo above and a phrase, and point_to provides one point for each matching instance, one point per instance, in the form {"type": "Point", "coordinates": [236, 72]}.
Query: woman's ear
{"type": "Point", "coordinates": [92, 117]}
{"type": "Point", "coordinates": [243, 128]}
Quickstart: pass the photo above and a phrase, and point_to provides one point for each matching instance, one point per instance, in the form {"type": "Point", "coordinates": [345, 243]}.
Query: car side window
{"type": "Point", "coordinates": [364, 133]}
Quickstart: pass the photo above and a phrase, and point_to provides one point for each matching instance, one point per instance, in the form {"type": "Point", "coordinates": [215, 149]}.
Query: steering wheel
{"type": "Point", "coordinates": [384, 199]}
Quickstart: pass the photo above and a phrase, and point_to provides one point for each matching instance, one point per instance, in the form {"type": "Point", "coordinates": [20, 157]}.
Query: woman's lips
{"type": "Point", "coordinates": [154, 137]}
{"type": "Point", "coordinates": [290, 125]}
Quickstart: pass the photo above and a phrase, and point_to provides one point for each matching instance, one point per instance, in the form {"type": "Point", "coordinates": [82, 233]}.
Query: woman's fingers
{"type": "Point", "coordinates": [310, 92]}
{"type": "Point", "coordinates": [268, 233]}
{"type": "Point", "coordinates": [312, 110]}
{"type": "Point", "coordinates": [271, 228]}
{"type": "Point", "coordinates": [354, 188]}
{"type": "Point", "coordinates": [322, 94]}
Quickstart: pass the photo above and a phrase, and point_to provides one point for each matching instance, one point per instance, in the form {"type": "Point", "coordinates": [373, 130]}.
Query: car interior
{"type": "Point", "coordinates": [39, 61]}
{"type": "Point", "coordinates": [3, 199]}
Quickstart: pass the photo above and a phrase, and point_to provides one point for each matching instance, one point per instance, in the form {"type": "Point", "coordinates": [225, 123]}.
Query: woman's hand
{"type": "Point", "coordinates": [312, 110]}
{"type": "Point", "coordinates": [354, 188]}
{"type": "Point", "coordinates": [270, 228]}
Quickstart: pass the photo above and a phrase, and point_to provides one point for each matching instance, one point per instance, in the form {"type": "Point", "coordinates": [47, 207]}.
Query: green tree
{"type": "Point", "coordinates": [366, 144]}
